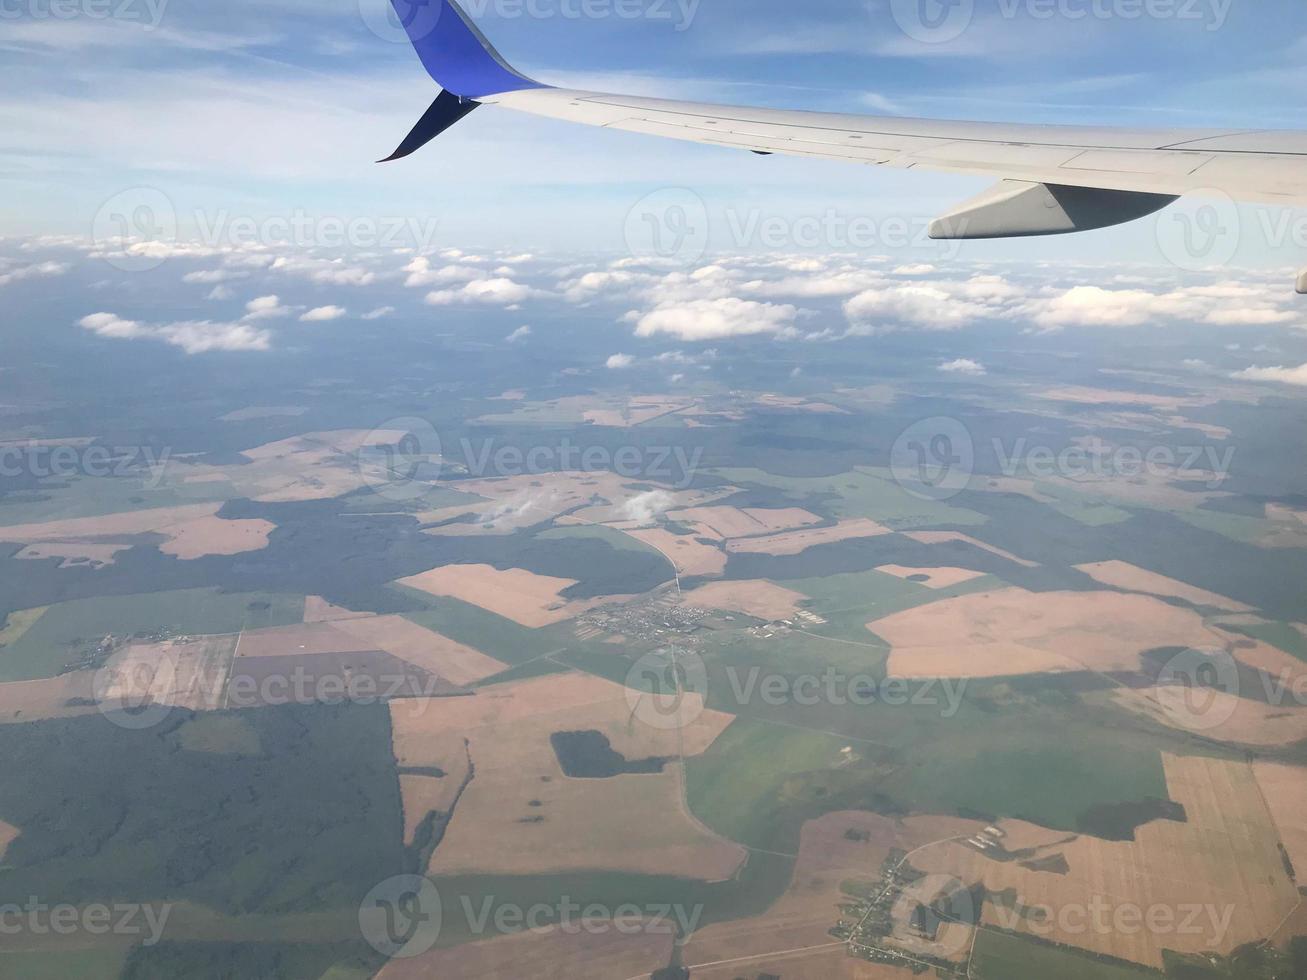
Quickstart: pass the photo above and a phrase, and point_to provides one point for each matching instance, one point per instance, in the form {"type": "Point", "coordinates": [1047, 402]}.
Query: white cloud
{"type": "Point", "coordinates": [210, 276]}
{"type": "Point", "coordinates": [323, 314]}
{"type": "Point", "coordinates": [266, 308]}
{"type": "Point", "coordinates": [920, 269]}
{"type": "Point", "coordinates": [521, 333]}
{"type": "Point", "coordinates": [194, 337]}
{"type": "Point", "coordinates": [420, 273]}
{"type": "Point", "coordinates": [112, 325]}
{"type": "Point", "coordinates": [619, 362]}
{"type": "Point", "coordinates": [324, 272]}
{"type": "Point", "coordinates": [716, 319]}
{"type": "Point", "coordinates": [220, 293]}
{"type": "Point", "coordinates": [918, 305]}
{"type": "Point", "coordinates": [963, 365]}
{"type": "Point", "coordinates": [646, 508]}
{"type": "Point", "coordinates": [380, 313]}
{"type": "Point", "coordinates": [39, 271]}
{"type": "Point", "coordinates": [486, 292]}
{"type": "Point", "coordinates": [1283, 375]}
{"type": "Point", "coordinates": [1218, 304]}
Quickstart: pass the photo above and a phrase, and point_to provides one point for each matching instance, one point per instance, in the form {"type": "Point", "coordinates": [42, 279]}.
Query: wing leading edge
{"type": "Point", "coordinates": [1052, 179]}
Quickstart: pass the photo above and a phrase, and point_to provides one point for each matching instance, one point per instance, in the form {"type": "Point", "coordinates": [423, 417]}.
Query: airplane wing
{"type": "Point", "coordinates": [1051, 179]}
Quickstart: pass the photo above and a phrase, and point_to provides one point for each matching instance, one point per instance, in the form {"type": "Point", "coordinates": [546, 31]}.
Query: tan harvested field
{"type": "Point", "coordinates": [523, 501]}
{"type": "Point", "coordinates": [1225, 858]}
{"type": "Point", "coordinates": [1111, 396]}
{"type": "Point", "coordinates": [1122, 575]}
{"type": "Point", "coordinates": [258, 412]}
{"type": "Point", "coordinates": [1285, 789]}
{"type": "Point", "coordinates": [828, 961]}
{"type": "Point", "coordinates": [553, 955]}
{"type": "Point", "coordinates": [423, 795]}
{"type": "Point", "coordinates": [946, 537]}
{"type": "Point", "coordinates": [308, 638]}
{"type": "Point", "coordinates": [637, 411]}
{"type": "Point", "coordinates": [433, 652]}
{"type": "Point", "coordinates": [797, 542]}
{"type": "Point", "coordinates": [1249, 722]}
{"type": "Point", "coordinates": [24, 701]}
{"type": "Point", "coordinates": [8, 834]}
{"type": "Point", "coordinates": [732, 522]}
{"type": "Point", "coordinates": [520, 813]}
{"type": "Point", "coordinates": [760, 599]}
{"type": "Point", "coordinates": [936, 578]}
{"type": "Point", "coordinates": [514, 593]}
{"type": "Point", "coordinates": [184, 674]}
{"type": "Point", "coordinates": [1283, 668]}
{"type": "Point", "coordinates": [319, 610]}
{"type": "Point", "coordinates": [1289, 515]}
{"type": "Point", "coordinates": [1013, 631]}
{"type": "Point", "coordinates": [94, 554]}
{"type": "Point", "coordinates": [314, 466]}
{"type": "Point", "coordinates": [690, 556]}
{"type": "Point", "coordinates": [215, 536]}
{"type": "Point", "coordinates": [192, 531]}
{"type": "Point", "coordinates": [623, 509]}
{"type": "Point", "coordinates": [799, 404]}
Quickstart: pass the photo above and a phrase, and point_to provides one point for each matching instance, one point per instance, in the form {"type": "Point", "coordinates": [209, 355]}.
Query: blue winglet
{"type": "Point", "coordinates": [455, 53]}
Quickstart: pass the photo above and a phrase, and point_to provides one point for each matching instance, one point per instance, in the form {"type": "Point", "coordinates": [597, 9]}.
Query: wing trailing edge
{"type": "Point", "coordinates": [1020, 209]}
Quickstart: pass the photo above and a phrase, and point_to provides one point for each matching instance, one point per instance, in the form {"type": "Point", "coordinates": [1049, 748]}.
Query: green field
{"type": "Point", "coordinates": [93, 964]}
{"type": "Point", "coordinates": [1282, 635]}
{"type": "Point", "coordinates": [999, 956]}
{"type": "Point", "coordinates": [862, 492]}
{"type": "Point", "coordinates": [98, 496]}
{"type": "Point", "coordinates": [750, 785]}
{"type": "Point", "coordinates": [775, 768]}
{"type": "Point", "coordinates": [614, 538]}
{"type": "Point", "coordinates": [493, 635]}
{"type": "Point", "coordinates": [70, 630]}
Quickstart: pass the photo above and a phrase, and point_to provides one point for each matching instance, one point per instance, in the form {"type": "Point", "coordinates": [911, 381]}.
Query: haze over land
{"type": "Point", "coordinates": [873, 593]}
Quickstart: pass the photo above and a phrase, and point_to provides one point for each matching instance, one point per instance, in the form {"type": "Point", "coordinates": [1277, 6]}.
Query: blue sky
{"type": "Point", "coordinates": [235, 144]}
{"type": "Point", "coordinates": [256, 108]}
